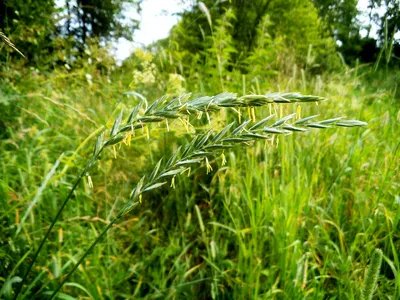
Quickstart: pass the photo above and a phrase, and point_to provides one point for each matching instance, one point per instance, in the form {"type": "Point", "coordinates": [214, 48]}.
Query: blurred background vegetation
{"type": "Point", "coordinates": [298, 218]}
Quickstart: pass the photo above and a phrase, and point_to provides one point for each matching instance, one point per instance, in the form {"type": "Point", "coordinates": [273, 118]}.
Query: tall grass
{"type": "Point", "coordinates": [196, 151]}
{"type": "Point", "coordinates": [299, 216]}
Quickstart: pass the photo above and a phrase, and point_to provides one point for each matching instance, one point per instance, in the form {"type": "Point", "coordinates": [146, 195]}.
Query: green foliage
{"type": "Point", "coordinates": [293, 216]}
{"type": "Point", "coordinates": [103, 20]}
{"type": "Point", "coordinates": [389, 22]}
{"type": "Point", "coordinates": [302, 20]}
{"type": "Point", "coordinates": [288, 20]}
{"type": "Point", "coordinates": [50, 35]}
{"type": "Point", "coordinates": [200, 148]}
{"type": "Point", "coordinates": [7, 41]}
{"type": "Point", "coordinates": [263, 61]}
{"type": "Point", "coordinates": [340, 18]}
{"type": "Point", "coordinates": [31, 26]}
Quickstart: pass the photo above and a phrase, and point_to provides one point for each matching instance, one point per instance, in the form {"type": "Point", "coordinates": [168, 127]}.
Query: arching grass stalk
{"type": "Point", "coordinates": [208, 145]}
{"type": "Point", "coordinates": [159, 111]}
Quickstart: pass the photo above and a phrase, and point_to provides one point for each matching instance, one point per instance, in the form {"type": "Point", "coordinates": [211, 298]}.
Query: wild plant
{"type": "Point", "coordinates": [200, 150]}
{"type": "Point", "coordinates": [10, 44]}
{"type": "Point", "coordinates": [371, 277]}
{"type": "Point", "coordinates": [221, 46]}
{"type": "Point", "coordinates": [147, 74]}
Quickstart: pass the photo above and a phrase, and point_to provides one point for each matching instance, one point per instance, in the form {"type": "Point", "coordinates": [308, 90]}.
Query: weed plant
{"type": "Point", "coordinates": [292, 216]}
{"type": "Point", "coordinates": [199, 149]}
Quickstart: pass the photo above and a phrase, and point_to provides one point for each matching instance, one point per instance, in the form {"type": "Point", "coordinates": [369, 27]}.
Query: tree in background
{"type": "Point", "coordinates": [341, 22]}
{"type": "Point", "coordinates": [341, 19]}
{"type": "Point", "coordinates": [302, 30]}
{"type": "Point", "coordinates": [325, 26]}
{"type": "Point", "coordinates": [389, 26]}
{"type": "Point", "coordinates": [31, 24]}
{"type": "Point", "coordinates": [287, 21]}
{"type": "Point", "coordinates": [44, 32]}
{"type": "Point", "coordinates": [50, 33]}
{"type": "Point", "coordinates": [101, 19]}
{"type": "Point", "coordinates": [390, 20]}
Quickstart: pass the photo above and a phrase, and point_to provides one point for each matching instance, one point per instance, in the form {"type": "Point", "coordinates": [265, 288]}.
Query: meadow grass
{"type": "Point", "coordinates": [297, 218]}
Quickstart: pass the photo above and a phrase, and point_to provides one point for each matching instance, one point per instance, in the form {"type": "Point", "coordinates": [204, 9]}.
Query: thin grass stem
{"type": "Point", "coordinates": [84, 256]}
{"type": "Point", "coordinates": [53, 223]}
{"type": "Point", "coordinates": [197, 150]}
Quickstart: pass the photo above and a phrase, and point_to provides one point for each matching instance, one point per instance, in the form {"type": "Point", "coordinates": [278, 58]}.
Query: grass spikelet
{"type": "Point", "coordinates": [371, 277]}
{"type": "Point", "coordinates": [205, 10]}
{"type": "Point", "coordinates": [202, 147]}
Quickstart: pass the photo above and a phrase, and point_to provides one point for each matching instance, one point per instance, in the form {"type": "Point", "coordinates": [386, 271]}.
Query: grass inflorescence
{"type": "Point", "coordinates": [277, 205]}
{"type": "Point", "coordinates": [198, 150]}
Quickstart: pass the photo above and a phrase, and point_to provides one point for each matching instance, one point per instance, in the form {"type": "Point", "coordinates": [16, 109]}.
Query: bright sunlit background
{"type": "Point", "coordinates": [158, 16]}
{"type": "Point", "coordinates": [310, 214]}
{"type": "Point", "coordinates": [156, 20]}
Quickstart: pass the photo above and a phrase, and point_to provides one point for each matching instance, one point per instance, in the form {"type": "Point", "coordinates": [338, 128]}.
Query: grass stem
{"type": "Point", "coordinates": [53, 223]}
{"type": "Point", "coordinates": [84, 256]}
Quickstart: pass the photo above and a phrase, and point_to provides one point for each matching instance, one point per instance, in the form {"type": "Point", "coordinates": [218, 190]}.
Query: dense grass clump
{"type": "Point", "coordinates": [198, 196]}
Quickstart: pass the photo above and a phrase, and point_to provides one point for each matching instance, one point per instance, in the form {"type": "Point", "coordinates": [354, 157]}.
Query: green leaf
{"type": "Point", "coordinates": [226, 99]}
{"type": "Point", "coordinates": [155, 104]}
{"type": "Point", "coordinates": [217, 147]}
{"type": "Point", "coordinates": [281, 98]}
{"type": "Point", "coordinates": [7, 289]}
{"type": "Point", "coordinates": [201, 154]}
{"type": "Point", "coordinates": [200, 218]}
{"type": "Point", "coordinates": [294, 97]}
{"type": "Point", "coordinates": [127, 208]}
{"type": "Point", "coordinates": [201, 104]}
{"type": "Point", "coordinates": [136, 94]}
{"type": "Point", "coordinates": [177, 102]}
{"type": "Point", "coordinates": [60, 295]}
{"type": "Point", "coordinates": [167, 114]}
{"type": "Point", "coordinates": [131, 127]}
{"type": "Point", "coordinates": [189, 147]}
{"type": "Point", "coordinates": [253, 98]}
